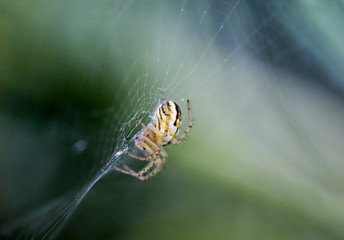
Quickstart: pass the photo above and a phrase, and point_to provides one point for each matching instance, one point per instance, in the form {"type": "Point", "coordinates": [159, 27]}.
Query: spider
{"type": "Point", "coordinates": [160, 132]}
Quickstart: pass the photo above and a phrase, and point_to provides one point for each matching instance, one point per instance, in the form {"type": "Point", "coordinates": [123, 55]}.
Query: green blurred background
{"type": "Point", "coordinates": [263, 161]}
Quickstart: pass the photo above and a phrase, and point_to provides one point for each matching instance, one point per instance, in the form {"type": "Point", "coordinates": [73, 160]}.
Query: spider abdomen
{"type": "Point", "coordinates": [168, 121]}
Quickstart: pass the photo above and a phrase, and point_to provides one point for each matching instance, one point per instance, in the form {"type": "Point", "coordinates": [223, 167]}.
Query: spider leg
{"type": "Point", "coordinates": [154, 150]}
{"type": "Point", "coordinates": [157, 132]}
{"type": "Point", "coordinates": [159, 165]}
{"type": "Point", "coordinates": [148, 129]}
{"type": "Point", "coordinates": [143, 125]}
{"type": "Point", "coordinates": [154, 129]}
{"type": "Point", "coordinates": [156, 153]}
{"type": "Point", "coordinates": [128, 170]}
{"type": "Point", "coordinates": [164, 156]}
{"type": "Point", "coordinates": [156, 161]}
{"type": "Point", "coordinates": [188, 128]}
{"type": "Point", "coordinates": [140, 175]}
{"type": "Point", "coordinates": [149, 166]}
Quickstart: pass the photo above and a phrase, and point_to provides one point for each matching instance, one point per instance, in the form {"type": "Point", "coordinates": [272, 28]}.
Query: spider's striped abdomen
{"type": "Point", "coordinates": [168, 122]}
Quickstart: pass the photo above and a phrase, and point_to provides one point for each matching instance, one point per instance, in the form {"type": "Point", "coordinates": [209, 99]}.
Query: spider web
{"type": "Point", "coordinates": [211, 52]}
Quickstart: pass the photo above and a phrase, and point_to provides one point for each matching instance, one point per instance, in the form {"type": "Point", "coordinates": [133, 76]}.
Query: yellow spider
{"type": "Point", "coordinates": [161, 132]}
